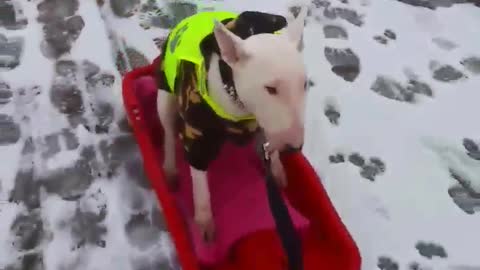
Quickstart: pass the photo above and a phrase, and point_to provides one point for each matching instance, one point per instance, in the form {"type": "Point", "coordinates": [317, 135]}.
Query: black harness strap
{"type": "Point", "coordinates": [289, 236]}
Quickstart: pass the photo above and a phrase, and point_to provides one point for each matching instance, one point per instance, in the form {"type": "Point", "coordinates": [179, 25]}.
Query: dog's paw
{"type": "Point", "coordinates": [278, 171]}
{"type": "Point", "coordinates": [204, 220]}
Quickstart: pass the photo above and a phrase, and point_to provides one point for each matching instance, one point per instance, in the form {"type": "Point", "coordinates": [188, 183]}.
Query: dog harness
{"type": "Point", "coordinates": [184, 44]}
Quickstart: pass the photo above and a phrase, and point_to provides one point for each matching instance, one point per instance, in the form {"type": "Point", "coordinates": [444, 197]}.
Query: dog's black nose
{"type": "Point", "coordinates": [291, 149]}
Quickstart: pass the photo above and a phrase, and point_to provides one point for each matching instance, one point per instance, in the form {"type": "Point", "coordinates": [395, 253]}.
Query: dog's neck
{"type": "Point", "coordinates": [217, 85]}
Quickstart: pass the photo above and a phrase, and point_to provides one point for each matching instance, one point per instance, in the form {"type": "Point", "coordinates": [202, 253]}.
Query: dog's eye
{"type": "Point", "coordinates": [271, 90]}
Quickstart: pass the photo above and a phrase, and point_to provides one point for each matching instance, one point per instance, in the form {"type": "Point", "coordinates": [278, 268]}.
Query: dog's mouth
{"type": "Point", "coordinates": [290, 140]}
{"type": "Point", "coordinates": [265, 149]}
{"type": "Point", "coordinates": [292, 149]}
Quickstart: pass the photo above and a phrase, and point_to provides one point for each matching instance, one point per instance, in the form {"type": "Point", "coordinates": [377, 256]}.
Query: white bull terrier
{"type": "Point", "coordinates": [245, 73]}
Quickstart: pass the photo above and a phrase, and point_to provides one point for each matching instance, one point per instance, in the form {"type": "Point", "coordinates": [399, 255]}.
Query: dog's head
{"type": "Point", "coordinates": [270, 78]}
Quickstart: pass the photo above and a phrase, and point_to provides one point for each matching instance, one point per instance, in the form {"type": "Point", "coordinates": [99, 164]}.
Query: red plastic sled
{"type": "Point", "coordinates": [326, 242]}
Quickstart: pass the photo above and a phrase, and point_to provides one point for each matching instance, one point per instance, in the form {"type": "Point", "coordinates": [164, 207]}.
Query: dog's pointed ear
{"type": "Point", "coordinates": [231, 47]}
{"type": "Point", "coordinates": [294, 29]}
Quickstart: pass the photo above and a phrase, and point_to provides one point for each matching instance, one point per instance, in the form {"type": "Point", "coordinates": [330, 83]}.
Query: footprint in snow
{"type": "Point", "coordinates": [89, 107]}
{"type": "Point", "coordinates": [436, 4]}
{"type": "Point", "coordinates": [419, 88]}
{"type": "Point", "coordinates": [445, 72]}
{"type": "Point", "coordinates": [321, 3]}
{"type": "Point", "coordinates": [104, 114]}
{"type": "Point", "coordinates": [165, 17]}
{"type": "Point", "coordinates": [12, 16]}
{"type": "Point", "coordinates": [26, 190]}
{"type": "Point", "coordinates": [124, 8]}
{"type": "Point", "coordinates": [430, 250]}
{"type": "Point", "coordinates": [27, 185]}
{"type": "Point", "coordinates": [101, 112]}
{"type": "Point", "coordinates": [149, 263]}
{"type": "Point", "coordinates": [65, 94]}
{"type": "Point", "coordinates": [332, 114]}
{"type": "Point", "coordinates": [119, 152]}
{"type": "Point", "coordinates": [5, 93]}
{"type": "Point", "coordinates": [347, 14]}
{"type": "Point", "coordinates": [390, 34]}
{"type": "Point", "coordinates": [9, 130]}
{"type": "Point", "coordinates": [141, 230]}
{"type": "Point", "coordinates": [11, 50]}
{"type": "Point", "coordinates": [417, 266]}
{"type": "Point", "coordinates": [464, 169]}
{"type": "Point", "coordinates": [381, 39]}
{"type": "Point", "coordinates": [387, 263]}
{"type": "Point", "coordinates": [387, 35]}
{"type": "Point", "coordinates": [331, 111]}
{"type": "Point", "coordinates": [70, 139]}
{"type": "Point", "coordinates": [392, 89]}
{"type": "Point", "coordinates": [473, 148]}
{"type": "Point", "coordinates": [369, 169]}
{"type": "Point", "coordinates": [51, 145]}
{"type": "Point", "coordinates": [60, 34]}
{"type": "Point", "coordinates": [61, 26]}
{"type": "Point", "coordinates": [157, 18]}
{"type": "Point", "coordinates": [374, 167]}
{"type": "Point", "coordinates": [30, 261]}
{"type": "Point", "coordinates": [71, 182]}
{"type": "Point", "coordinates": [124, 126]}
{"type": "Point", "coordinates": [86, 226]}
{"type": "Point", "coordinates": [335, 32]}
{"type": "Point", "coordinates": [444, 44]}
{"type": "Point", "coordinates": [50, 9]}
{"type": "Point", "coordinates": [135, 171]}
{"type": "Point", "coordinates": [466, 200]}
{"type": "Point", "coordinates": [336, 158]}
{"type": "Point", "coordinates": [472, 64]}
{"type": "Point", "coordinates": [160, 41]}
{"type": "Point", "coordinates": [180, 10]}
{"type": "Point", "coordinates": [345, 63]}
{"type": "Point", "coordinates": [28, 231]}
{"type": "Point", "coordinates": [465, 180]}
{"type": "Point", "coordinates": [87, 229]}
{"type": "Point", "coordinates": [144, 232]}
{"type": "Point", "coordinates": [134, 57]}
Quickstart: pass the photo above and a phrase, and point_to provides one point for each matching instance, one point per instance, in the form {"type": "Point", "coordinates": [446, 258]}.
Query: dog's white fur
{"type": "Point", "coordinates": [258, 62]}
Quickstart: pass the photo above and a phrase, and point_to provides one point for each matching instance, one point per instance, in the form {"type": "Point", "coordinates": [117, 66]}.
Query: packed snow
{"type": "Point", "coordinates": [391, 129]}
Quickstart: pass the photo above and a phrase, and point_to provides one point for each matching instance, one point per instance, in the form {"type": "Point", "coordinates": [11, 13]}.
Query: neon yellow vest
{"type": "Point", "coordinates": [184, 44]}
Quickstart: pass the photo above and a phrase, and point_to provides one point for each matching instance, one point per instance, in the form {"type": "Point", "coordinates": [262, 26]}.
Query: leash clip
{"type": "Point", "coordinates": [266, 152]}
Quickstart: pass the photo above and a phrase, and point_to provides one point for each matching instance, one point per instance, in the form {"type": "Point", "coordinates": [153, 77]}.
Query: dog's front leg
{"type": "Point", "coordinates": [201, 202]}
{"type": "Point", "coordinates": [167, 110]}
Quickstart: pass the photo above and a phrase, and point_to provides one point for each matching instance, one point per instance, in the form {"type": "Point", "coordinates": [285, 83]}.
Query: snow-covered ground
{"type": "Point", "coordinates": [392, 129]}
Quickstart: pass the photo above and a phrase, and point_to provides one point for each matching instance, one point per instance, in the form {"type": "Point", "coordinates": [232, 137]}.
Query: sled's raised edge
{"type": "Point", "coordinates": [174, 221]}
{"type": "Point", "coordinates": [308, 196]}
